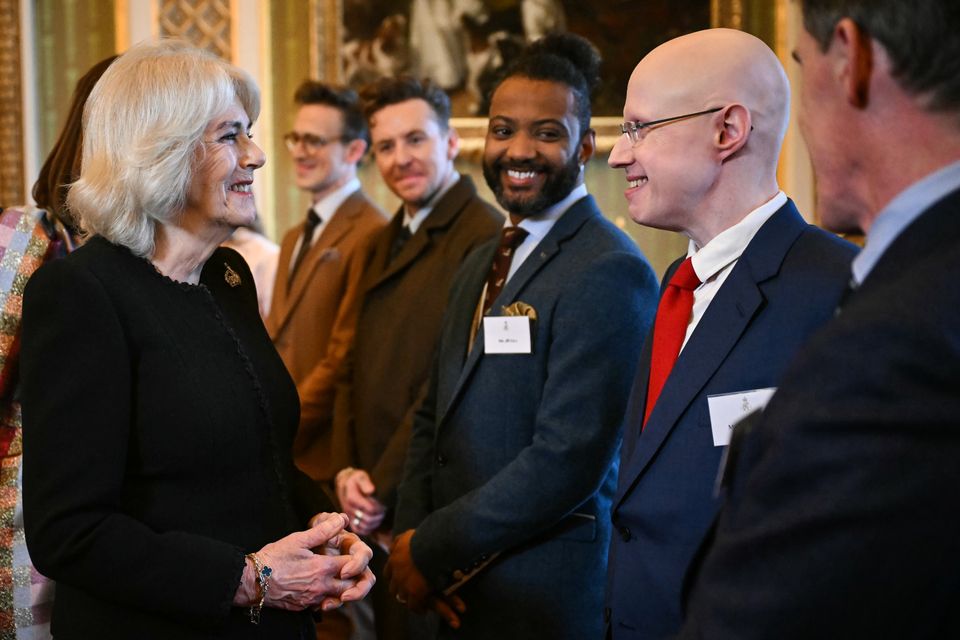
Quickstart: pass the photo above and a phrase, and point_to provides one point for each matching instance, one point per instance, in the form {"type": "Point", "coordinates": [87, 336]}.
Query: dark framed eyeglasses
{"type": "Point", "coordinates": [634, 129]}
{"type": "Point", "coordinates": [311, 142]}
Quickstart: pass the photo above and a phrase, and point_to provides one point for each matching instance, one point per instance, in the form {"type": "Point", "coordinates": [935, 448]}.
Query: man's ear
{"type": "Point", "coordinates": [588, 145]}
{"type": "Point", "coordinates": [453, 143]}
{"type": "Point", "coordinates": [853, 51]}
{"type": "Point", "coordinates": [355, 150]}
{"type": "Point", "coordinates": [734, 124]}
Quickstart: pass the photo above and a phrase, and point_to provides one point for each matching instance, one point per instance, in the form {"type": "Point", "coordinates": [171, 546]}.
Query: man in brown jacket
{"type": "Point", "coordinates": [316, 295]}
{"type": "Point", "coordinates": [405, 288]}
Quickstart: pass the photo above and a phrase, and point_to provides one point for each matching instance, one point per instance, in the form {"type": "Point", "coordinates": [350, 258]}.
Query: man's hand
{"type": "Point", "coordinates": [449, 608]}
{"type": "Point", "coordinates": [410, 587]}
{"type": "Point", "coordinates": [407, 584]}
{"type": "Point", "coordinates": [355, 491]}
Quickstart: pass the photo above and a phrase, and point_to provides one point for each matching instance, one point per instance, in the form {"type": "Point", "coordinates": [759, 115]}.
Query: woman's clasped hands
{"type": "Point", "coordinates": [320, 568]}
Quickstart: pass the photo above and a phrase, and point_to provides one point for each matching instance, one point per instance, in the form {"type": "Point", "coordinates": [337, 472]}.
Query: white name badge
{"type": "Point", "coordinates": [506, 334]}
{"type": "Point", "coordinates": [727, 409]}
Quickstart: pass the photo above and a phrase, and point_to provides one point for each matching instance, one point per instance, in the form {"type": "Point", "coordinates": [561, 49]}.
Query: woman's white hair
{"type": "Point", "coordinates": [142, 130]}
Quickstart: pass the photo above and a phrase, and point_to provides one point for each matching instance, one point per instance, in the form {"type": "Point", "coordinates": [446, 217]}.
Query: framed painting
{"type": "Point", "coordinates": [462, 44]}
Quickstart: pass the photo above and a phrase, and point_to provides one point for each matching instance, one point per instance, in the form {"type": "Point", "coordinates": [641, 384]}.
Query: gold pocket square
{"type": "Point", "coordinates": [520, 309]}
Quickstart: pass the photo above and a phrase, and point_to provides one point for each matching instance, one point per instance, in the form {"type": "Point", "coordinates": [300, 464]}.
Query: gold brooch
{"type": "Point", "coordinates": [231, 276]}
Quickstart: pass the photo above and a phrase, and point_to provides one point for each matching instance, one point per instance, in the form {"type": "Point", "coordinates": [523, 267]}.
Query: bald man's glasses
{"type": "Point", "coordinates": [635, 130]}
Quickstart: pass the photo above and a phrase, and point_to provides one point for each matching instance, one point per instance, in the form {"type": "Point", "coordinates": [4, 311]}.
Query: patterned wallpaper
{"type": "Point", "coordinates": [205, 23]}
{"type": "Point", "coordinates": [11, 116]}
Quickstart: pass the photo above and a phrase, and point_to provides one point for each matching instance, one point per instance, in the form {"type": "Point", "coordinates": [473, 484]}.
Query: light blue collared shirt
{"type": "Point", "coordinates": [900, 213]}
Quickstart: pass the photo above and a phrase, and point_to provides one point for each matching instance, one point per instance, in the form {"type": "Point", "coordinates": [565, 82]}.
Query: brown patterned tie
{"type": "Point", "coordinates": [510, 239]}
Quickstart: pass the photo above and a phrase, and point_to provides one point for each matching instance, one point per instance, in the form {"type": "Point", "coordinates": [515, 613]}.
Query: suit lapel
{"type": "Point", "coordinates": [442, 216]}
{"type": "Point", "coordinates": [568, 225]}
{"type": "Point", "coordinates": [462, 310]}
{"type": "Point", "coordinates": [722, 325]}
{"type": "Point", "coordinates": [633, 420]}
{"type": "Point", "coordinates": [416, 245]}
{"type": "Point", "coordinates": [380, 254]}
{"type": "Point", "coordinates": [339, 225]}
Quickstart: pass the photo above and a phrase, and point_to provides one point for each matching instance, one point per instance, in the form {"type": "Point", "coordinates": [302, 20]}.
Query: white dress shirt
{"type": "Point", "coordinates": [714, 262]}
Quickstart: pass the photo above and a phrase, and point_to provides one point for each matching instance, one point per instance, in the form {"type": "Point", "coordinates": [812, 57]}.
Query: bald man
{"type": "Point", "coordinates": [705, 117]}
{"type": "Point", "coordinates": [870, 410]}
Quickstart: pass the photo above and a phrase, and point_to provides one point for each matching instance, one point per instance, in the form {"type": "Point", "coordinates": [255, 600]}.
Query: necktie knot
{"type": "Point", "coordinates": [511, 238]}
{"type": "Point", "coordinates": [685, 277]}
{"type": "Point", "coordinates": [403, 235]}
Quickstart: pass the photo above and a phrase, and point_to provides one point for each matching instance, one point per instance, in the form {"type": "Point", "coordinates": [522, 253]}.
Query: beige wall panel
{"type": "Point", "coordinates": [290, 53]}
{"type": "Point", "coordinates": [71, 36]}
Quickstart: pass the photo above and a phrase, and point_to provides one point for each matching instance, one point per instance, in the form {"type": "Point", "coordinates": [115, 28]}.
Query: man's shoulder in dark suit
{"type": "Point", "coordinates": [840, 520]}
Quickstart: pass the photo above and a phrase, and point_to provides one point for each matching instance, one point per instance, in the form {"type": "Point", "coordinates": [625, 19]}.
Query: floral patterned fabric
{"type": "Point", "coordinates": [26, 597]}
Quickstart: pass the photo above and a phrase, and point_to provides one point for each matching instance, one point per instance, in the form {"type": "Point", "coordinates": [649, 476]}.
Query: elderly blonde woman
{"type": "Point", "coordinates": [159, 490]}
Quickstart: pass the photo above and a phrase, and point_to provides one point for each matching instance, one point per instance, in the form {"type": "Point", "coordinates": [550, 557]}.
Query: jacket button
{"type": "Point", "coordinates": [625, 533]}
{"type": "Point", "coordinates": [441, 460]}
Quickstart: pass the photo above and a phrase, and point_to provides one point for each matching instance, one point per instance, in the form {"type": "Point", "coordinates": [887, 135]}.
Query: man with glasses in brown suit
{"type": "Point", "coordinates": [314, 309]}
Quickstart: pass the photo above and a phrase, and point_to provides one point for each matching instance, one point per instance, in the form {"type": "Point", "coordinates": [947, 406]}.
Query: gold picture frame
{"type": "Point", "coordinates": [759, 17]}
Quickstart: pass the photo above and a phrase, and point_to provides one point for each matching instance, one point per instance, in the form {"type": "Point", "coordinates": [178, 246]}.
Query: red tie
{"type": "Point", "coordinates": [669, 329]}
{"type": "Point", "coordinates": [511, 238]}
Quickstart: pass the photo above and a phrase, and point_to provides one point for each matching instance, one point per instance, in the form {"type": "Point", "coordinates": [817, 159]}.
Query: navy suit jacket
{"type": "Point", "coordinates": [517, 454]}
{"type": "Point", "coordinates": [841, 517]}
{"type": "Point", "coordinates": [785, 285]}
